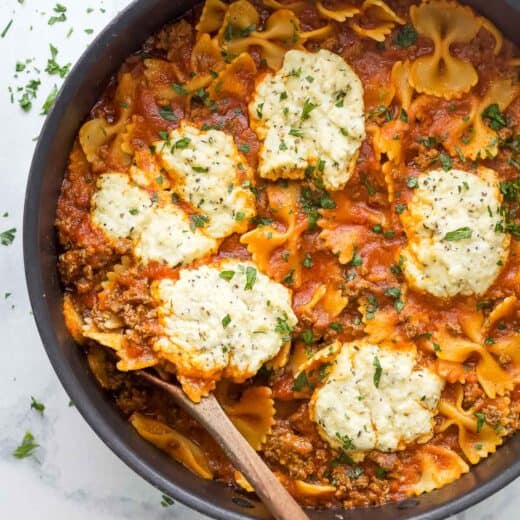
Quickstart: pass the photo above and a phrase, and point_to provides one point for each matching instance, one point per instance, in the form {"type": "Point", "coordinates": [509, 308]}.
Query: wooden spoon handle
{"type": "Point", "coordinates": [210, 414]}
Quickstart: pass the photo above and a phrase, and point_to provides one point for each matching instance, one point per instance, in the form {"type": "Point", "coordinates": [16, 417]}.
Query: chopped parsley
{"type": "Point", "coordinates": [378, 371]}
{"type": "Point", "coordinates": [250, 278]}
{"type": "Point", "coordinates": [167, 113]}
{"type": "Point", "coordinates": [6, 28]}
{"type": "Point", "coordinates": [307, 261]}
{"type": "Point", "coordinates": [179, 89]}
{"type": "Point", "coordinates": [166, 501]}
{"type": "Point", "coordinates": [181, 143]}
{"type": "Point", "coordinates": [26, 448]}
{"type": "Point", "coordinates": [445, 161]}
{"type": "Point", "coordinates": [346, 442]}
{"type": "Point", "coordinates": [259, 110]}
{"type": "Point", "coordinates": [49, 101]}
{"type": "Point", "coordinates": [296, 132]}
{"type": "Point", "coordinates": [7, 237]}
{"type": "Point", "coordinates": [198, 221]}
{"type": "Point", "coordinates": [308, 107]}
{"type": "Point", "coordinates": [308, 337]}
{"type": "Point", "coordinates": [283, 328]}
{"type": "Point", "coordinates": [289, 278]}
{"type": "Point", "coordinates": [227, 275]}
{"type": "Point", "coordinates": [481, 420]}
{"type": "Point", "coordinates": [300, 382]}
{"type": "Point", "coordinates": [493, 117]}
{"type": "Point", "coordinates": [406, 36]}
{"type": "Point", "coordinates": [244, 148]}
{"type": "Point", "coordinates": [458, 234]}
{"type": "Point", "coordinates": [53, 67]}
{"type": "Point", "coordinates": [412, 182]}
{"type": "Point", "coordinates": [59, 15]}
{"type": "Point", "coordinates": [399, 208]}
{"type": "Point", "coordinates": [226, 320]}
{"type": "Point", "coordinates": [337, 327]}
{"type": "Point", "coordinates": [36, 405]}
{"type": "Point", "coordinates": [200, 169]}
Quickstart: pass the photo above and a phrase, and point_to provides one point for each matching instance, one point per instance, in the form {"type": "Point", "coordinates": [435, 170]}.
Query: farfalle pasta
{"type": "Point", "coordinates": [309, 208]}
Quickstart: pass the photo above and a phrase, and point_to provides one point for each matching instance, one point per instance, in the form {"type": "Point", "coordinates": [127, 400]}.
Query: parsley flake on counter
{"type": "Point", "coordinates": [49, 101]}
{"type": "Point", "coordinates": [6, 28]}
{"type": "Point", "coordinates": [36, 405]}
{"type": "Point", "coordinates": [7, 237]}
{"type": "Point", "coordinates": [166, 501]}
{"type": "Point", "coordinates": [60, 15]}
{"type": "Point", "coordinates": [26, 448]}
{"type": "Point", "coordinates": [52, 65]}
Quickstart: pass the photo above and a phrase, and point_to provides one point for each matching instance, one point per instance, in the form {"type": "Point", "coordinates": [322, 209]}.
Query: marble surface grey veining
{"type": "Point", "coordinates": [72, 475]}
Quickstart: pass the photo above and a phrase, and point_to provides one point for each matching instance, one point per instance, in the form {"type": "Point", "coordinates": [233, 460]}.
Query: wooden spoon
{"type": "Point", "coordinates": [210, 414]}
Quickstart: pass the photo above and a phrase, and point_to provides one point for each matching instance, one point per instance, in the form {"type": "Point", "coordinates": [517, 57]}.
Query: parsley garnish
{"type": "Point", "coordinates": [244, 148]}
{"type": "Point", "coordinates": [308, 107]}
{"type": "Point", "coordinates": [346, 442]}
{"type": "Point", "coordinates": [296, 132]}
{"type": "Point", "coordinates": [250, 278]}
{"type": "Point", "coordinates": [167, 113]}
{"type": "Point", "coordinates": [481, 419]}
{"type": "Point", "coordinates": [200, 169]}
{"type": "Point", "coordinates": [307, 261]}
{"type": "Point", "coordinates": [226, 320]}
{"type": "Point", "coordinates": [308, 337]}
{"type": "Point", "coordinates": [198, 221]}
{"type": "Point", "coordinates": [300, 382]}
{"type": "Point", "coordinates": [458, 234]}
{"type": "Point", "coordinates": [26, 448]}
{"type": "Point", "coordinates": [493, 117]}
{"type": "Point", "coordinates": [406, 36]}
{"type": "Point", "coordinates": [283, 328]}
{"type": "Point", "coordinates": [227, 275]}
{"type": "Point", "coordinates": [179, 89]}
{"type": "Point", "coordinates": [445, 161]}
{"type": "Point", "coordinates": [378, 371]}
{"type": "Point", "coordinates": [259, 110]}
{"type": "Point", "coordinates": [181, 143]}
{"type": "Point", "coordinates": [336, 327]}
{"type": "Point", "coordinates": [412, 182]}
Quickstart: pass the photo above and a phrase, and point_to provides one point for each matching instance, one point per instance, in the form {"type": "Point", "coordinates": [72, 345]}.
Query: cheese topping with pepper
{"type": "Point", "coordinates": [309, 117]}
{"type": "Point", "coordinates": [375, 398]}
{"type": "Point", "coordinates": [209, 173]}
{"type": "Point", "coordinates": [454, 244]}
{"type": "Point", "coordinates": [159, 230]}
{"type": "Point", "coordinates": [223, 319]}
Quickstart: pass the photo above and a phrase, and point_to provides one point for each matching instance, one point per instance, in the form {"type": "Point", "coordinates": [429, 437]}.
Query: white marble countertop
{"type": "Point", "coordinates": [73, 474]}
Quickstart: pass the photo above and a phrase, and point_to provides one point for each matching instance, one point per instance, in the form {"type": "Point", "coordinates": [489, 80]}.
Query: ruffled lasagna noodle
{"type": "Point", "coordinates": [311, 209]}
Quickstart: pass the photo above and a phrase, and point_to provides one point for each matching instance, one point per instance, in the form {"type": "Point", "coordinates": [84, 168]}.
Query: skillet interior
{"type": "Point", "coordinates": [82, 88]}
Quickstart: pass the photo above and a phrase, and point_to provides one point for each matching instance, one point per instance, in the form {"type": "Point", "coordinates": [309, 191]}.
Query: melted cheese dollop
{"type": "Point", "coordinates": [208, 171]}
{"type": "Point", "coordinates": [224, 319]}
{"type": "Point", "coordinates": [453, 246]}
{"type": "Point", "coordinates": [159, 230]}
{"type": "Point", "coordinates": [375, 398]}
{"type": "Point", "coordinates": [309, 114]}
